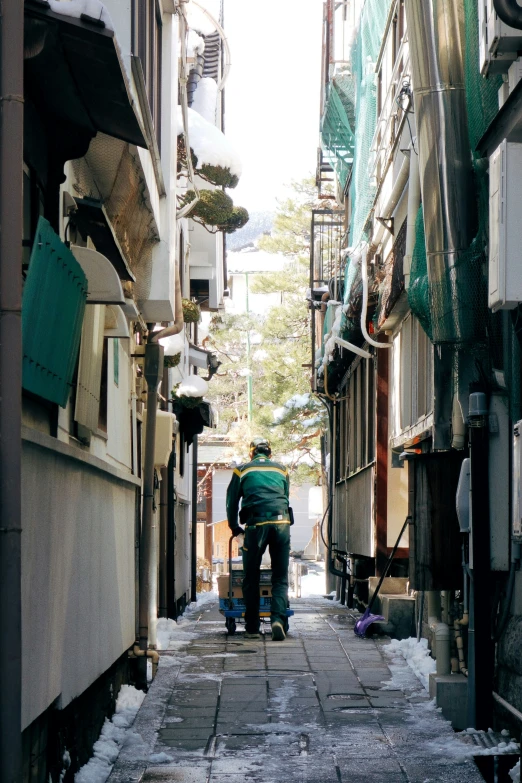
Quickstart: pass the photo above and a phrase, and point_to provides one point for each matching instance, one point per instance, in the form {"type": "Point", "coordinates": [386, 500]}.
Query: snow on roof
{"type": "Point", "coordinates": [75, 8]}
{"type": "Point", "coordinates": [209, 144]}
{"type": "Point", "coordinates": [195, 44]}
{"type": "Point", "coordinates": [193, 386]}
{"type": "Point", "coordinates": [205, 99]}
{"type": "Point", "coordinates": [199, 21]}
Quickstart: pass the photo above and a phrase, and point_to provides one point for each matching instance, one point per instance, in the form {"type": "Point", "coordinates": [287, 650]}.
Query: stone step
{"type": "Point", "coordinates": [399, 615]}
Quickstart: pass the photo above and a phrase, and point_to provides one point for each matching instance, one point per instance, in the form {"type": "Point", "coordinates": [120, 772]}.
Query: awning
{"type": "Point", "coordinates": [91, 220]}
{"type": "Point", "coordinates": [116, 324]}
{"type": "Point", "coordinates": [103, 283]}
{"type": "Point", "coordinates": [73, 71]}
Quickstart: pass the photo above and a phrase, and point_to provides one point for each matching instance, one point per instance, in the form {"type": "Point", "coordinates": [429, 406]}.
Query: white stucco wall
{"type": "Point", "coordinates": [78, 610]}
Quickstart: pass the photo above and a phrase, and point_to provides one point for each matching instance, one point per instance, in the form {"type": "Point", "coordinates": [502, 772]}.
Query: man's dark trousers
{"type": "Point", "coordinates": [276, 536]}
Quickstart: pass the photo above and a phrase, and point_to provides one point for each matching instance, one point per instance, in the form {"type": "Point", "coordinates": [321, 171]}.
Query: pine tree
{"type": "Point", "coordinates": [284, 410]}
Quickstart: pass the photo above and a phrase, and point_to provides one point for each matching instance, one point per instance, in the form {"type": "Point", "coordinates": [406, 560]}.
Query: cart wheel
{"type": "Point", "coordinates": [231, 625]}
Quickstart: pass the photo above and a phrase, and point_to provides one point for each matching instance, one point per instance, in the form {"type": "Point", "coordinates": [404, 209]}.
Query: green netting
{"type": "Point", "coordinates": [454, 310]}
{"type": "Point", "coordinates": [337, 136]}
{"type": "Point", "coordinates": [481, 93]}
{"type": "Point", "coordinates": [362, 190]}
{"type": "Point", "coordinates": [418, 292]}
{"type": "Point", "coordinates": [364, 57]}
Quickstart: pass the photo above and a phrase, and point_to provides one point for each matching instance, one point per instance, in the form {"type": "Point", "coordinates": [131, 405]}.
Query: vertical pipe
{"type": "Point", "coordinates": [381, 479]}
{"type": "Point", "coordinates": [11, 168]}
{"type": "Point", "coordinates": [193, 541]}
{"type": "Point", "coordinates": [163, 517]}
{"type": "Point", "coordinates": [171, 539]}
{"type": "Point", "coordinates": [153, 371]}
{"type": "Point", "coordinates": [481, 648]}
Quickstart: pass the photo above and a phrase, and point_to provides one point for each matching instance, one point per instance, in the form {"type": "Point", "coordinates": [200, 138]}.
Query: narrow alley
{"type": "Point", "coordinates": [314, 708]}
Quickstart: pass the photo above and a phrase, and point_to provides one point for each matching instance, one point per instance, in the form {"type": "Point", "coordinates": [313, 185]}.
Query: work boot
{"type": "Point", "coordinates": [278, 632]}
{"type": "Point", "coordinates": [252, 635]}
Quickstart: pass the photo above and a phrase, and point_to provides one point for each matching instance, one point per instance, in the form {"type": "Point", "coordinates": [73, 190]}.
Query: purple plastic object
{"type": "Point", "coordinates": [362, 625]}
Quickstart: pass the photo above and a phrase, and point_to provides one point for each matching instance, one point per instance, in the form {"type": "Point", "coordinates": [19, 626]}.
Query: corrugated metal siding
{"type": "Point", "coordinates": [87, 408]}
{"type": "Point", "coordinates": [354, 513]}
{"type": "Point", "coordinates": [53, 304]}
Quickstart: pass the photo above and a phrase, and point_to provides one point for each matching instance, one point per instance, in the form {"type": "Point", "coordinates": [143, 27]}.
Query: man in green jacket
{"type": "Point", "coordinates": [263, 488]}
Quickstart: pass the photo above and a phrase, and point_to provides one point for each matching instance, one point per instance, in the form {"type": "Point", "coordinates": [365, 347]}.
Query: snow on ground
{"type": "Point", "coordinates": [415, 654]}
{"type": "Point", "coordinates": [115, 733]}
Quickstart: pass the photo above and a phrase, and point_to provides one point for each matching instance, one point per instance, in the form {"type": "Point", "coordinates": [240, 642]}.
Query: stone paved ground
{"type": "Point", "coordinates": [310, 709]}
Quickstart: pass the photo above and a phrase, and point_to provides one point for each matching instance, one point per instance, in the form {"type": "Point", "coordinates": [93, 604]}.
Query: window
{"type": "Point", "coordinates": [356, 420]}
{"type": "Point", "coordinates": [412, 375]}
{"type": "Point", "coordinates": [146, 43]}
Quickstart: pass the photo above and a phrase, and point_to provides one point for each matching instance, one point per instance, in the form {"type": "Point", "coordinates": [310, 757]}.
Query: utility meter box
{"type": "Point", "coordinates": [505, 227]}
{"type": "Point", "coordinates": [165, 429]}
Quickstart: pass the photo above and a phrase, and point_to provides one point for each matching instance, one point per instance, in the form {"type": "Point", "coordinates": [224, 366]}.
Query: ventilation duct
{"type": "Point", "coordinates": [436, 35]}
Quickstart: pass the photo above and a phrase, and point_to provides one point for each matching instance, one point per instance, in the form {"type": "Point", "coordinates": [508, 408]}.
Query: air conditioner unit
{"type": "Point", "coordinates": [505, 227]}
{"type": "Point", "coordinates": [498, 43]}
{"type": "Point", "coordinates": [165, 428]}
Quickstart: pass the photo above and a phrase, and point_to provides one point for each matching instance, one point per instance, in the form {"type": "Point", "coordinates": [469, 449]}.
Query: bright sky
{"type": "Point", "coordinates": [272, 94]}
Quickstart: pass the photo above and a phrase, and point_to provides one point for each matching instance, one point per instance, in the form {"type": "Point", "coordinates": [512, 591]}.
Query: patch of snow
{"type": "Point", "coordinates": [514, 773]}
{"type": "Point", "coordinates": [66, 761]}
{"type": "Point", "coordinates": [205, 99]}
{"type": "Point", "coordinates": [210, 145]}
{"type": "Point", "coordinates": [199, 21]}
{"type": "Point", "coordinates": [173, 344]}
{"type": "Point", "coordinates": [416, 655]}
{"type": "Point", "coordinates": [114, 734]}
{"type": "Point", "coordinates": [192, 386]}
{"type": "Point", "coordinates": [160, 758]}
{"type": "Point", "coordinates": [329, 339]}
{"type": "Point", "coordinates": [75, 8]}
{"type": "Point", "coordinates": [195, 44]}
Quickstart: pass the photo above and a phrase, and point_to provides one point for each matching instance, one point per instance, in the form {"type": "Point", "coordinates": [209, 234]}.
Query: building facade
{"type": "Point", "coordinates": [418, 364]}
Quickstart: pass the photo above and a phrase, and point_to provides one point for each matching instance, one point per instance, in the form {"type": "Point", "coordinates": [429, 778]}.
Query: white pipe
{"type": "Point", "coordinates": [458, 426]}
{"type": "Point", "coordinates": [394, 197]}
{"type": "Point", "coordinates": [228, 63]}
{"type": "Point", "coordinates": [442, 636]}
{"type": "Point", "coordinates": [351, 347]}
{"type": "Point", "coordinates": [364, 310]}
{"type": "Point", "coordinates": [414, 200]}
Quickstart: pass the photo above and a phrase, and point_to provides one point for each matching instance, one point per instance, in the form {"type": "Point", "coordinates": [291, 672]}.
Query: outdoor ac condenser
{"type": "Point", "coordinates": [498, 43]}
{"type": "Point", "coordinates": [505, 227]}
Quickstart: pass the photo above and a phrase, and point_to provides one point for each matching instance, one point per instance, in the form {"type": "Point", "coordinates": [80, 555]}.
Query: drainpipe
{"type": "Point", "coordinates": [509, 12]}
{"type": "Point", "coordinates": [194, 537]}
{"type": "Point", "coordinates": [436, 39]}
{"type": "Point", "coordinates": [414, 200]}
{"type": "Point", "coordinates": [153, 372]}
{"type": "Point", "coordinates": [11, 167]}
{"type": "Point", "coordinates": [171, 539]}
{"type": "Point", "coordinates": [480, 645]}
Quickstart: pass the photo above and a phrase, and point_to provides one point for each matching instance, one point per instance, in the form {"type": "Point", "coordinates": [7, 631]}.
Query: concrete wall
{"type": "Point", "coordinates": [79, 518]}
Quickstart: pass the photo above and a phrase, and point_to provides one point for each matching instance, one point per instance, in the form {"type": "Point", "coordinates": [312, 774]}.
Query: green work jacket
{"type": "Point", "coordinates": [263, 487]}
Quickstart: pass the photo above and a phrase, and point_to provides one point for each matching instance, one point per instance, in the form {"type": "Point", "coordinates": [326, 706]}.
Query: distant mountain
{"type": "Point", "coordinates": [260, 223]}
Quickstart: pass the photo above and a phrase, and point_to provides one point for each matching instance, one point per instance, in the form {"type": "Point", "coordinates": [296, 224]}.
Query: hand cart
{"type": "Point", "coordinates": [233, 607]}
